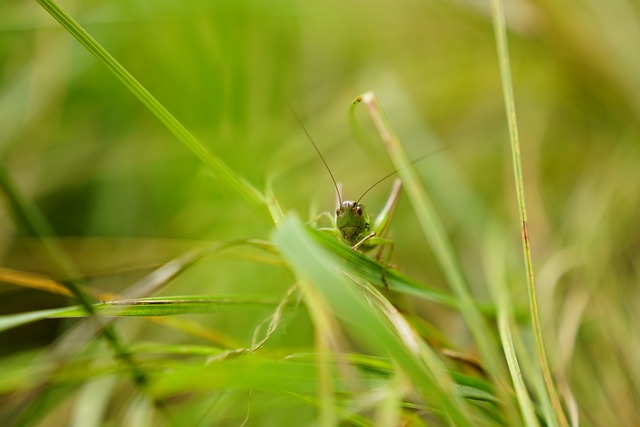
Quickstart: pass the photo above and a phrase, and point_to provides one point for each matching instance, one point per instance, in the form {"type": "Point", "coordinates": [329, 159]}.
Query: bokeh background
{"type": "Point", "coordinates": [124, 195]}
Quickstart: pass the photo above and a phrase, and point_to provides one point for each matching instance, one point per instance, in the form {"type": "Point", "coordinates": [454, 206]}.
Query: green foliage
{"type": "Point", "coordinates": [146, 282]}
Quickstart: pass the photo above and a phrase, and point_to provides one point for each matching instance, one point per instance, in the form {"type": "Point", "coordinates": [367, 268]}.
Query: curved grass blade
{"type": "Point", "coordinates": [226, 175]}
{"type": "Point", "coordinates": [435, 233]}
{"type": "Point", "coordinates": [368, 269]}
{"type": "Point", "coordinates": [321, 273]}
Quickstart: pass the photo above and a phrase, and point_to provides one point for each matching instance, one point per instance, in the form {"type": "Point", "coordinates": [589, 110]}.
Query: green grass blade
{"type": "Point", "coordinates": [226, 175]}
{"type": "Point", "coordinates": [507, 87]}
{"type": "Point", "coordinates": [145, 307]}
{"type": "Point", "coordinates": [434, 231]}
{"type": "Point", "coordinates": [319, 271]}
{"type": "Point", "coordinates": [524, 401]}
{"type": "Point", "coordinates": [364, 267]}
{"type": "Point", "coordinates": [495, 267]}
{"type": "Point", "coordinates": [10, 321]}
{"type": "Point", "coordinates": [170, 306]}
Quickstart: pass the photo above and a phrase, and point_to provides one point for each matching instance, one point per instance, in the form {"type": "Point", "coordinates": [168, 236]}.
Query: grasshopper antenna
{"type": "Point", "coordinates": [419, 159]}
{"type": "Point", "coordinates": [335, 184]}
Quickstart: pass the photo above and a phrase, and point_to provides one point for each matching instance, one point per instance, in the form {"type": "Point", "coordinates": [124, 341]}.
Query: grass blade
{"type": "Point", "coordinates": [144, 307]}
{"type": "Point", "coordinates": [226, 175]}
{"type": "Point", "coordinates": [507, 87]}
{"type": "Point", "coordinates": [368, 269]}
{"type": "Point", "coordinates": [497, 280]}
{"type": "Point", "coordinates": [434, 231]}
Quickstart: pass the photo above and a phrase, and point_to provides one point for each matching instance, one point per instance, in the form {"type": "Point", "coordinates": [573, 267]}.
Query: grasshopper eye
{"type": "Point", "coordinates": [359, 211]}
{"type": "Point", "coordinates": [337, 212]}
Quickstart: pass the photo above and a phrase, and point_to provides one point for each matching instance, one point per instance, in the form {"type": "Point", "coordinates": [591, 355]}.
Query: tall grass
{"type": "Point", "coordinates": [146, 284]}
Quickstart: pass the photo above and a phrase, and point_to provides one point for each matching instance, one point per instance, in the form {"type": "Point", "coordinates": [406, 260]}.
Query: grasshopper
{"type": "Point", "coordinates": [352, 222]}
{"type": "Point", "coordinates": [354, 226]}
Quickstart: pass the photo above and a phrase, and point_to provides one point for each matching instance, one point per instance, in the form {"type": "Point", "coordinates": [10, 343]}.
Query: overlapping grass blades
{"type": "Point", "coordinates": [322, 284]}
{"type": "Point", "coordinates": [435, 233]}
{"type": "Point", "coordinates": [329, 294]}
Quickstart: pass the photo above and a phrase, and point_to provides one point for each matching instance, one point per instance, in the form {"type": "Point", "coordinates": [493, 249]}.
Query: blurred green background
{"type": "Point", "coordinates": [124, 195]}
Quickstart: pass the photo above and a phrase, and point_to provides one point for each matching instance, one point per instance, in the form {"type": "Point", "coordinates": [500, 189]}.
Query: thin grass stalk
{"type": "Point", "coordinates": [497, 279]}
{"type": "Point", "coordinates": [226, 175]}
{"type": "Point", "coordinates": [524, 401]}
{"type": "Point", "coordinates": [507, 87]}
{"type": "Point", "coordinates": [434, 231]}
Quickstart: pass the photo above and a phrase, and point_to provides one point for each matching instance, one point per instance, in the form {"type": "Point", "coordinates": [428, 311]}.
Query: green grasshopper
{"type": "Point", "coordinates": [352, 224]}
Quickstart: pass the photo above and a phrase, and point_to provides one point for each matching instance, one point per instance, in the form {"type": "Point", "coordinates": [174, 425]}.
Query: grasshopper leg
{"type": "Point", "coordinates": [364, 239]}
{"type": "Point", "coordinates": [383, 220]}
{"type": "Point", "coordinates": [382, 225]}
{"type": "Point", "coordinates": [323, 215]}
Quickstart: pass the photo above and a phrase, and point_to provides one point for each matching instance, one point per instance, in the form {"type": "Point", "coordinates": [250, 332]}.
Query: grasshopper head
{"type": "Point", "coordinates": [352, 220]}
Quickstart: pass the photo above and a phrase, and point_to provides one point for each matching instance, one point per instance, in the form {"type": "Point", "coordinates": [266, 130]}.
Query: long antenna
{"type": "Point", "coordinates": [419, 159]}
{"type": "Point", "coordinates": [335, 184]}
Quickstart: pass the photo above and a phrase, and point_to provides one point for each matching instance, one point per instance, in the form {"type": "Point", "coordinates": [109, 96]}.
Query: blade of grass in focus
{"type": "Point", "coordinates": [507, 88]}
{"type": "Point", "coordinates": [145, 307]}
